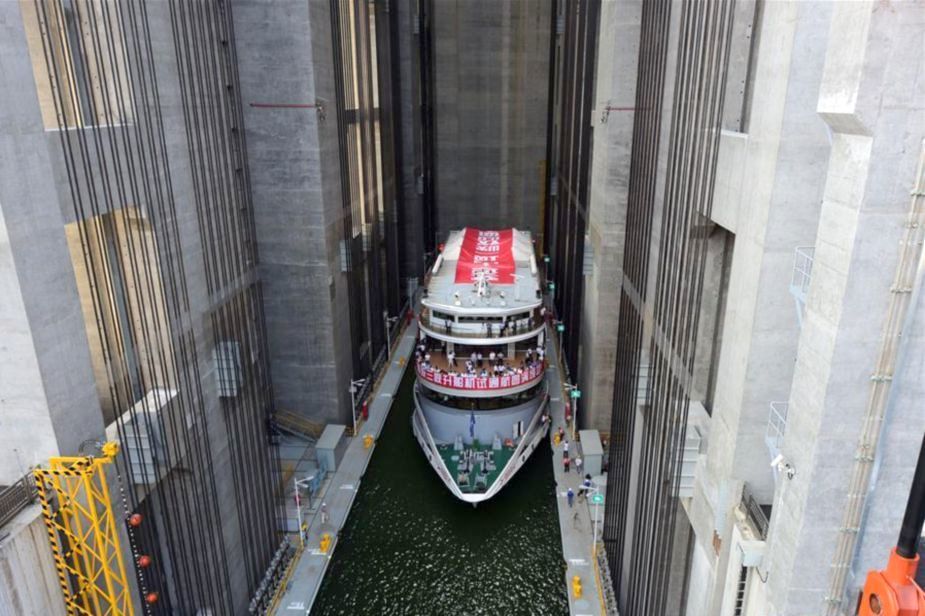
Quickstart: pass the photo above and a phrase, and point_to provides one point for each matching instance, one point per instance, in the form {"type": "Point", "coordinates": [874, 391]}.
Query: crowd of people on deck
{"type": "Point", "coordinates": [479, 364]}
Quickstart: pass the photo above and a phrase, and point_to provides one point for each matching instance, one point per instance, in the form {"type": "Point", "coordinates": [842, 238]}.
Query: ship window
{"type": "Point", "coordinates": [442, 315]}
{"type": "Point", "coordinates": [480, 319]}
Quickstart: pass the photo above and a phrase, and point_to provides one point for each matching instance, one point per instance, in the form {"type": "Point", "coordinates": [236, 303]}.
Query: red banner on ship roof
{"type": "Point", "coordinates": [491, 252]}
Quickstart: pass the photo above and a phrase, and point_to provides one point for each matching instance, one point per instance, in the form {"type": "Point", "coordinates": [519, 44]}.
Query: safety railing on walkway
{"type": "Point", "coordinates": [801, 277]}
{"type": "Point", "coordinates": [606, 595]}
{"type": "Point", "coordinates": [777, 424]}
{"type": "Point", "coordinates": [16, 497]}
{"type": "Point", "coordinates": [380, 363]}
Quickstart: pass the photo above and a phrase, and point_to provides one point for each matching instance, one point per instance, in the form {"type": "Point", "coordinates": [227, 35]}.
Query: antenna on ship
{"type": "Point", "coordinates": [481, 283]}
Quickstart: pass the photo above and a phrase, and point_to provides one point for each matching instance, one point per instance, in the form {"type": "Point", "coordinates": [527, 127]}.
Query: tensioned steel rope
{"type": "Point", "coordinates": [572, 167]}
{"type": "Point", "coordinates": [642, 544]}
{"type": "Point", "coordinates": [650, 84]}
{"type": "Point", "coordinates": [103, 74]}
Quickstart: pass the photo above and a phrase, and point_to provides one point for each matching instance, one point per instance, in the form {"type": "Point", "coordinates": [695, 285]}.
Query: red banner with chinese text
{"type": "Point", "coordinates": [480, 383]}
{"type": "Point", "coordinates": [491, 252]}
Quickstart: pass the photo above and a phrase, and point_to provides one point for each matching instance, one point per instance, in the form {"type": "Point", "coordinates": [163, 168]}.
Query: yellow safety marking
{"type": "Point", "coordinates": [83, 534]}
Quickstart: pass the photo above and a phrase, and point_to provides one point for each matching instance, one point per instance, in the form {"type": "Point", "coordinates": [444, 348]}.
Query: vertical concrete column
{"type": "Point", "coordinates": [876, 113]}
{"type": "Point", "coordinates": [298, 210]}
{"type": "Point", "coordinates": [614, 97]}
{"type": "Point", "coordinates": [48, 400]}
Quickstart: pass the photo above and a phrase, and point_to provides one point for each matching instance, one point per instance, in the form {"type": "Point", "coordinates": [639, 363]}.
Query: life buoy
{"type": "Point", "coordinates": [508, 442]}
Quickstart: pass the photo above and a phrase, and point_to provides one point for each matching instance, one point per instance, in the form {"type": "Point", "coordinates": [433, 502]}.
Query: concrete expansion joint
{"type": "Point", "coordinates": [900, 289]}
{"type": "Point", "coordinates": [880, 378]}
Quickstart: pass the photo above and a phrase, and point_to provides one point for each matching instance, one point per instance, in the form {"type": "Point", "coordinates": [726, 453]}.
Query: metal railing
{"type": "Point", "coordinates": [755, 513]}
{"type": "Point", "coordinates": [535, 323]}
{"type": "Point", "coordinates": [777, 424]}
{"type": "Point", "coordinates": [802, 271]}
{"type": "Point", "coordinates": [14, 498]}
{"type": "Point", "coordinates": [607, 597]}
{"type": "Point", "coordinates": [380, 363]}
{"type": "Point", "coordinates": [469, 382]}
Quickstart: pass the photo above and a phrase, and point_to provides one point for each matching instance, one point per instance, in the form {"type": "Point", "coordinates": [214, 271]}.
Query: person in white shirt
{"type": "Point", "coordinates": [452, 357]}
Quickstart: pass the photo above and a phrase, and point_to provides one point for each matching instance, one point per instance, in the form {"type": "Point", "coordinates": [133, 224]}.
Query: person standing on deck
{"type": "Point", "coordinates": [570, 495]}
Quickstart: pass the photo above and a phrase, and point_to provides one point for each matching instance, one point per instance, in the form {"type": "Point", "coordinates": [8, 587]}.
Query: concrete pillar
{"type": "Point", "coordinates": [615, 95]}
{"type": "Point", "coordinates": [876, 113]}
{"type": "Point", "coordinates": [48, 400]}
{"type": "Point", "coordinates": [295, 180]}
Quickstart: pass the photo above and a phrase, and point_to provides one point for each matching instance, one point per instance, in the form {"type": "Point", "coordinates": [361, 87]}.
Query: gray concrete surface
{"type": "Point", "coordinates": [491, 69]}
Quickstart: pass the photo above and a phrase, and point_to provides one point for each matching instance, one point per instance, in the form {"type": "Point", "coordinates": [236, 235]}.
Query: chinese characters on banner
{"type": "Point", "coordinates": [488, 252]}
{"type": "Point", "coordinates": [480, 383]}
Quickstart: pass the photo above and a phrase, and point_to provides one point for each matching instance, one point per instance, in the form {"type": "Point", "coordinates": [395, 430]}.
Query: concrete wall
{"type": "Point", "coordinates": [295, 178]}
{"type": "Point", "coordinates": [872, 100]}
{"type": "Point", "coordinates": [769, 184]}
{"type": "Point", "coordinates": [491, 68]}
{"type": "Point", "coordinates": [48, 401]}
{"type": "Point", "coordinates": [57, 386]}
{"type": "Point", "coordinates": [615, 86]}
{"type": "Point", "coordinates": [28, 580]}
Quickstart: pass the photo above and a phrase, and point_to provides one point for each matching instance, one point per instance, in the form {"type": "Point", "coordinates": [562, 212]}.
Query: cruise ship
{"type": "Point", "coordinates": [480, 395]}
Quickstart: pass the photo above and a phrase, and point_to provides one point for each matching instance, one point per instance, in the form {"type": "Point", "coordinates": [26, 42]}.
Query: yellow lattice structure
{"type": "Point", "coordinates": [83, 534]}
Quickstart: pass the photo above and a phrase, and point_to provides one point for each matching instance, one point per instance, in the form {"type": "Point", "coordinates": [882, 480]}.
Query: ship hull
{"type": "Point", "coordinates": [436, 428]}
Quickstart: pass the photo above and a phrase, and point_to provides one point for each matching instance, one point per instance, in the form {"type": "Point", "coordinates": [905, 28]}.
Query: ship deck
{"type": "Point", "coordinates": [475, 479]}
{"type": "Point", "coordinates": [439, 360]}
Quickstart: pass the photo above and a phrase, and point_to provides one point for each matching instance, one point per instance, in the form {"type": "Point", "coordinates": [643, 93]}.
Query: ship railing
{"type": "Point", "coordinates": [467, 382]}
{"type": "Point", "coordinates": [438, 325]}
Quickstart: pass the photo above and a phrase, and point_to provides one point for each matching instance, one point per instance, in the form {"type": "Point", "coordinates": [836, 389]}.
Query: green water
{"type": "Point", "coordinates": [409, 547]}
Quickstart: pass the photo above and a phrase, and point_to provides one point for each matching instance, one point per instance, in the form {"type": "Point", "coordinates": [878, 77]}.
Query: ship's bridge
{"type": "Point", "coordinates": [484, 289]}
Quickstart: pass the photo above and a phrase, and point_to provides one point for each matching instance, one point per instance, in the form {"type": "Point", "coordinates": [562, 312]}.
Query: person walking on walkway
{"type": "Point", "coordinates": [324, 513]}
{"type": "Point", "coordinates": [565, 450]}
{"type": "Point", "coordinates": [570, 495]}
{"type": "Point", "coordinates": [578, 464]}
{"type": "Point", "coordinates": [565, 463]}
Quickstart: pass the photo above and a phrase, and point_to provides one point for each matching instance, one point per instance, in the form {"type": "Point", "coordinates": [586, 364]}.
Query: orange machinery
{"type": "Point", "coordinates": [894, 591]}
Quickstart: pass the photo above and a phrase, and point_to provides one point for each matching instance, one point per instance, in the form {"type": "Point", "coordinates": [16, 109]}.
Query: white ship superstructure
{"type": "Point", "coordinates": [480, 395]}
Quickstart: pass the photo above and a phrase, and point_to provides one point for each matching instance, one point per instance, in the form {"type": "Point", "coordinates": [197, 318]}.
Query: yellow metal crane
{"type": "Point", "coordinates": [83, 534]}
